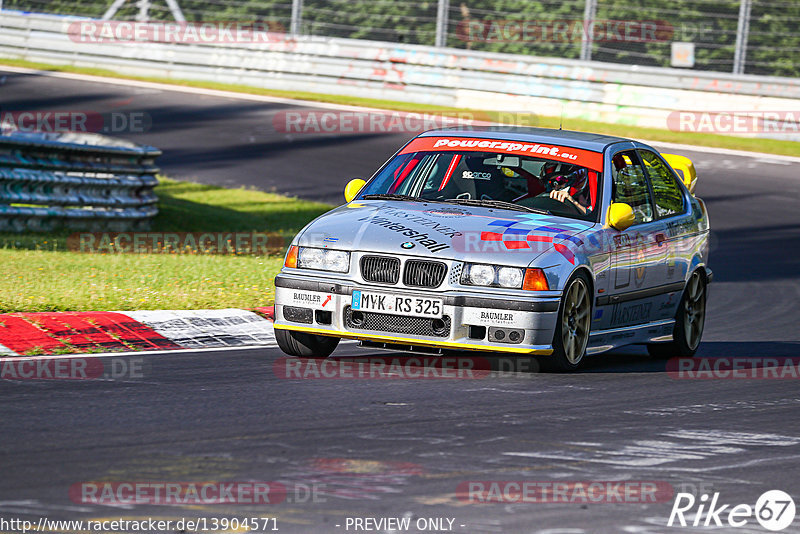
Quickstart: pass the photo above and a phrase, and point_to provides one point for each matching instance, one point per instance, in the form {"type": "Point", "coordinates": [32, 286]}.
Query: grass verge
{"type": "Point", "coordinates": [40, 274]}
{"type": "Point", "coordinates": [753, 144]}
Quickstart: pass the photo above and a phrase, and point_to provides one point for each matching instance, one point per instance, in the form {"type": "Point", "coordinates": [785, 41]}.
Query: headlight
{"type": "Point", "coordinates": [322, 259]}
{"type": "Point", "coordinates": [338, 260]}
{"type": "Point", "coordinates": [509, 277]}
{"type": "Point", "coordinates": [311, 258]}
{"type": "Point", "coordinates": [476, 274]}
{"type": "Point", "coordinates": [481, 275]}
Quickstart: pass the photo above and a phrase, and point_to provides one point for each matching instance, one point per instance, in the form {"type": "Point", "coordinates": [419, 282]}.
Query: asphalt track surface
{"type": "Point", "coordinates": [394, 447]}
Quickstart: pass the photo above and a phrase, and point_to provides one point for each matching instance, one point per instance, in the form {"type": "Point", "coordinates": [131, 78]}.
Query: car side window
{"type": "Point", "coordinates": [667, 192]}
{"type": "Point", "coordinates": [630, 185]}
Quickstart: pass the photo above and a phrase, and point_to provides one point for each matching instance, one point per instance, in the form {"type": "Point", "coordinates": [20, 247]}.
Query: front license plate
{"type": "Point", "coordinates": [397, 304]}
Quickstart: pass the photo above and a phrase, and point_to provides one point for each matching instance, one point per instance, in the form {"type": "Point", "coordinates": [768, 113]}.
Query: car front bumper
{"type": "Point", "coordinates": [471, 320]}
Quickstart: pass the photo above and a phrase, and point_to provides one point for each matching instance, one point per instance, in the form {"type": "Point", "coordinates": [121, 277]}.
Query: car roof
{"type": "Point", "coordinates": [584, 140]}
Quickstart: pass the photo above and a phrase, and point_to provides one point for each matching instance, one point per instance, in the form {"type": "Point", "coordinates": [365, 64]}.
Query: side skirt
{"type": "Point", "coordinates": [605, 340]}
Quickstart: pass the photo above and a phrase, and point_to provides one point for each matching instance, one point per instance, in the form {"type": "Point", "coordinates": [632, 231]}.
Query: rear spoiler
{"type": "Point", "coordinates": [685, 169]}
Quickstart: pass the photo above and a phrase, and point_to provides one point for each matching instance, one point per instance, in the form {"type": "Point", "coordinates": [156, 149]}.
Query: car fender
{"type": "Point", "coordinates": [558, 270]}
{"type": "Point", "coordinates": [696, 264]}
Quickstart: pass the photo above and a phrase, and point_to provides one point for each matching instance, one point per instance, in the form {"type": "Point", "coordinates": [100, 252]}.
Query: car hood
{"type": "Point", "coordinates": [446, 231]}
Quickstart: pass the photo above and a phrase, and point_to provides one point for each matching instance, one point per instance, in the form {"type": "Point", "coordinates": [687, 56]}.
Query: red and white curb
{"type": "Point", "coordinates": [26, 334]}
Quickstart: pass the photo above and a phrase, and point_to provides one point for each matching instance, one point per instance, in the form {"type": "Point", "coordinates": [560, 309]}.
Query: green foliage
{"type": "Point", "coordinates": [711, 27]}
{"type": "Point", "coordinates": [774, 41]}
{"type": "Point", "coordinates": [379, 20]}
{"type": "Point", "coordinates": [539, 20]}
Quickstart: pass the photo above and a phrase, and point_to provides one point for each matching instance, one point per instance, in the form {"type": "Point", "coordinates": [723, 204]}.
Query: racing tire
{"type": "Point", "coordinates": [305, 345]}
{"type": "Point", "coordinates": [572, 327]}
{"type": "Point", "coordinates": [689, 322]}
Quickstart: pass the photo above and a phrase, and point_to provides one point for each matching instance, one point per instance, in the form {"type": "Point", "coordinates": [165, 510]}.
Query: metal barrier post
{"type": "Point", "coordinates": [742, 30]}
{"type": "Point", "coordinates": [297, 17]}
{"type": "Point", "coordinates": [175, 9]}
{"type": "Point", "coordinates": [144, 10]}
{"type": "Point", "coordinates": [589, 13]}
{"type": "Point", "coordinates": [441, 22]}
{"type": "Point", "coordinates": [112, 9]}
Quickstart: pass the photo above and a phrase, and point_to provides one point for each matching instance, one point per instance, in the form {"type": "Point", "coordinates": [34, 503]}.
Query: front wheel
{"type": "Point", "coordinates": [689, 322]}
{"type": "Point", "coordinates": [305, 345]}
{"type": "Point", "coordinates": [572, 330]}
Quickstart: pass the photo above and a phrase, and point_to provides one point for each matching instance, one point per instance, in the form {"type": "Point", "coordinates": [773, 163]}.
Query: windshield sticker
{"type": "Point", "coordinates": [472, 175]}
{"type": "Point", "coordinates": [584, 158]}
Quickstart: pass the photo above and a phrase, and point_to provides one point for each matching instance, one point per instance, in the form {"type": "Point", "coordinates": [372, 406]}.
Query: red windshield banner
{"type": "Point", "coordinates": [584, 158]}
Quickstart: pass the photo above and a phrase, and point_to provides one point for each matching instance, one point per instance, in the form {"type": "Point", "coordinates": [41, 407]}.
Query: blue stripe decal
{"type": "Point", "coordinates": [569, 238]}
{"type": "Point", "coordinates": [517, 231]}
{"type": "Point", "coordinates": [503, 223]}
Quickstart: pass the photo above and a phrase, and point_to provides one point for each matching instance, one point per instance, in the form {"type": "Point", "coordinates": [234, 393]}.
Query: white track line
{"type": "Point", "coordinates": [131, 353]}
{"type": "Point", "coordinates": [724, 151]}
{"type": "Point", "coordinates": [185, 89]}
{"type": "Point", "coordinates": [323, 105]}
{"type": "Point", "coordinates": [209, 328]}
{"type": "Point", "coordinates": [6, 351]}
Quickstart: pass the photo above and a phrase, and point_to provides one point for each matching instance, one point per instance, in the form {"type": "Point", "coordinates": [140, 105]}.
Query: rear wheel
{"type": "Point", "coordinates": [305, 345]}
{"type": "Point", "coordinates": [572, 328]}
{"type": "Point", "coordinates": [689, 322]}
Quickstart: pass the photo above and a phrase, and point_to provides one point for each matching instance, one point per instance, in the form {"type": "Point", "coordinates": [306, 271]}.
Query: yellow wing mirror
{"type": "Point", "coordinates": [685, 169]}
{"type": "Point", "coordinates": [620, 216]}
{"type": "Point", "coordinates": [352, 188]}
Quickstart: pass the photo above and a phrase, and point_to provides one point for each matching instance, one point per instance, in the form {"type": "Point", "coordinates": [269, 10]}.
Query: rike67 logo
{"type": "Point", "coordinates": [774, 510]}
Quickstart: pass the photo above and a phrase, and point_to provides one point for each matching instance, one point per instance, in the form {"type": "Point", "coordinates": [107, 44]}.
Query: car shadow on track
{"type": "Point", "coordinates": [719, 355]}
{"type": "Point", "coordinates": [635, 359]}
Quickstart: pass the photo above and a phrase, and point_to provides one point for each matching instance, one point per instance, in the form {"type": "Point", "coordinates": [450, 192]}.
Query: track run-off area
{"type": "Point", "coordinates": [333, 451]}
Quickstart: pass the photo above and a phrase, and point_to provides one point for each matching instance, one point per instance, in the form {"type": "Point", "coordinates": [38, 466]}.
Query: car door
{"type": "Point", "coordinates": [675, 218]}
{"type": "Point", "coordinates": [638, 257]}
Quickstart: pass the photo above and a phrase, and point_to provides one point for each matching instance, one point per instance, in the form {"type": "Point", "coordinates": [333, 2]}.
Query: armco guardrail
{"type": "Point", "coordinates": [75, 181]}
{"type": "Point", "coordinates": [622, 94]}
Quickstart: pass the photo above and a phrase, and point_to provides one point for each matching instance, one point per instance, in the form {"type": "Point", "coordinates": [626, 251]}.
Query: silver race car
{"type": "Point", "coordinates": [531, 241]}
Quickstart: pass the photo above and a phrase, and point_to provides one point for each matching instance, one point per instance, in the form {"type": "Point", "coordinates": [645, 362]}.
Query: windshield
{"type": "Point", "coordinates": [491, 178]}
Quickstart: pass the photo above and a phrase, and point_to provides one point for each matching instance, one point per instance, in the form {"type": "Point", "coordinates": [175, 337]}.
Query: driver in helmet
{"type": "Point", "coordinates": [567, 184]}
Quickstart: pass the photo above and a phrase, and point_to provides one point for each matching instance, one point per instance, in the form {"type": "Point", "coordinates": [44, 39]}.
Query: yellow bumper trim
{"type": "Point", "coordinates": [411, 341]}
